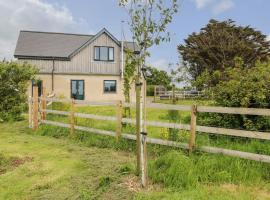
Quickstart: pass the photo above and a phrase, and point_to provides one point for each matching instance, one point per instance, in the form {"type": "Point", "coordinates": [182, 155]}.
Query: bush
{"type": "Point", "coordinates": [150, 91]}
{"type": "Point", "coordinates": [244, 87]}
{"type": "Point", "coordinates": [13, 86]}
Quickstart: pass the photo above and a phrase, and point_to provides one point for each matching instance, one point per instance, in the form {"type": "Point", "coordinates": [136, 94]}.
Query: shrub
{"type": "Point", "coordinates": [244, 87]}
{"type": "Point", "coordinates": [13, 85]}
{"type": "Point", "coordinates": [150, 91]}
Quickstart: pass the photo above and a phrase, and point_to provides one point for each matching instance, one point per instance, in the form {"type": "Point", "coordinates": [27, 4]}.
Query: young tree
{"type": "Point", "coordinates": [148, 22]}
{"type": "Point", "coordinates": [216, 46]}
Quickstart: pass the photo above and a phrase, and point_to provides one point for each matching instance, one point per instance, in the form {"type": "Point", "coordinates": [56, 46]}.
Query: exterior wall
{"type": "Point", "coordinates": [93, 86]}
{"type": "Point", "coordinates": [83, 62]}
{"type": "Point", "coordinates": [83, 67]}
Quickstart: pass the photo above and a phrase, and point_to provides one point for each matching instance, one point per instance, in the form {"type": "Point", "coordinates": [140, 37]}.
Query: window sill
{"type": "Point", "coordinates": [103, 61]}
{"type": "Point", "coordinates": [109, 92]}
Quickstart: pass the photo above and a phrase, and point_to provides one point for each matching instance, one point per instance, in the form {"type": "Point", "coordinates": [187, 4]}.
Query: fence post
{"type": "Point", "coordinates": [43, 104]}
{"type": "Point", "coordinates": [35, 108]}
{"type": "Point", "coordinates": [119, 114]}
{"type": "Point", "coordinates": [144, 171]}
{"type": "Point", "coordinates": [30, 111]}
{"type": "Point", "coordinates": [192, 137]}
{"type": "Point", "coordinates": [72, 117]}
{"type": "Point", "coordinates": [155, 93]}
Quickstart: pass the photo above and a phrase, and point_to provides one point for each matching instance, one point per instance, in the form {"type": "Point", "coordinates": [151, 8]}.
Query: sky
{"type": "Point", "coordinates": [90, 16]}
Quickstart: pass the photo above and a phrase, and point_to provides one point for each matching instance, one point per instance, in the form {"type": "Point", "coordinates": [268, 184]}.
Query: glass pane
{"type": "Point", "coordinates": [104, 53]}
{"type": "Point", "coordinates": [109, 86]}
{"type": "Point", "coordinates": [73, 88]}
{"type": "Point", "coordinates": [80, 87]}
{"type": "Point", "coordinates": [96, 53]}
{"type": "Point", "coordinates": [111, 53]}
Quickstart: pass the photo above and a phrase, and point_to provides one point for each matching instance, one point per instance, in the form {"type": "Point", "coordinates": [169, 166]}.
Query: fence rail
{"type": "Point", "coordinates": [193, 128]}
{"type": "Point", "coordinates": [202, 129]}
{"type": "Point", "coordinates": [215, 150]}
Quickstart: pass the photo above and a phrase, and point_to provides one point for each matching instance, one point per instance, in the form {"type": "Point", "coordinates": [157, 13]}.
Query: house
{"type": "Point", "coordinates": [84, 67]}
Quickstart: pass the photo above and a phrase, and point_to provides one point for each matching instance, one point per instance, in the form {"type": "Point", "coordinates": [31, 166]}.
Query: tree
{"type": "Point", "coordinates": [157, 77]}
{"type": "Point", "coordinates": [148, 22]}
{"type": "Point", "coordinates": [216, 46]}
{"type": "Point", "coordinates": [13, 85]}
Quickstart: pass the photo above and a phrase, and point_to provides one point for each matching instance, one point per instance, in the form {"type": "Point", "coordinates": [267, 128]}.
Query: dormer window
{"type": "Point", "coordinates": [104, 53]}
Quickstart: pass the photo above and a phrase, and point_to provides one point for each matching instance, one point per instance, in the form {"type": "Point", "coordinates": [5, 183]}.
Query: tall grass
{"type": "Point", "coordinates": [177, 170]}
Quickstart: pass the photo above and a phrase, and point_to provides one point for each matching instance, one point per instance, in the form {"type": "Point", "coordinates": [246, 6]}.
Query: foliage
{"type": "Point", "coordinates": [150, 90]}
{"type": "Point", "coordinates": [13, 85]}
{"type": "Point", "coordinates": [130, 69]}
{"type": "Point", "coordinates": [244, 87]}
{"type": "Point", "coordinates": [211, 51]}
{"type": "Point", "coordinates": [157, 77]}
{"type": "Point", "coordinates": [148, 21]}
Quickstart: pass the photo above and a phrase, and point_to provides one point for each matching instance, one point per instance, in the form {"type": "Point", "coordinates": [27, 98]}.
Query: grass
{"type": "Point", "coordinates": [59, 169]}
{"type": "Point", "coordinates": [87, 167]}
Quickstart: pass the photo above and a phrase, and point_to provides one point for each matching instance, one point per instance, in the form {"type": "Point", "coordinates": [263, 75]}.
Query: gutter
{"type": "Point", "coordinates": [122, 59]}
{"type": "Point", "coordinates": [53, 69]}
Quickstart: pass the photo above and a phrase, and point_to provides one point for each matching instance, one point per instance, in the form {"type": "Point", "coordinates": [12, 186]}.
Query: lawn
{"type": "Point", "coordinates": [42, 167]}
{"type": "Point", "coordinates": [37, 167]}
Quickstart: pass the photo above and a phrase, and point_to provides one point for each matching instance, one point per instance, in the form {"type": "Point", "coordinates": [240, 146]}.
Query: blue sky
{"type": "Point", "coordinates": [89, 16]}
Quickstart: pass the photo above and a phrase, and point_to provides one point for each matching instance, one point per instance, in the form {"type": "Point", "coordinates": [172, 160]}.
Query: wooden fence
{"type": "Point", "coordinates": [34, 121]}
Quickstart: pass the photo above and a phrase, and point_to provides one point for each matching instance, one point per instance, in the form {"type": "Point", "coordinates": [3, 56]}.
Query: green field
{"type": "Point", "coordinates": [41, 167]}
{"type": "Point", "coordinates": [49, 164]}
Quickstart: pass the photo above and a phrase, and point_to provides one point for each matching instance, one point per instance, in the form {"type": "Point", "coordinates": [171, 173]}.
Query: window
{"type": "Point", "coordinates": [110, 86]}
{"type": "Point", "coordinates": [77, 89]}
{"type": "Point", "coordinates": [104, 53]}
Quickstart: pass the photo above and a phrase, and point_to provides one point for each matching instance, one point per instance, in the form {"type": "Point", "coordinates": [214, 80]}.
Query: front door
{"type": "Point", "coordinates": [77, 89]}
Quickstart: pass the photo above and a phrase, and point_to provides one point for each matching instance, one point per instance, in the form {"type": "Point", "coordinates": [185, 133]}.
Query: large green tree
{"type": "Point", "coordinates": [157, 77]}
{"type": "Point", "coordinates": [215, 47]}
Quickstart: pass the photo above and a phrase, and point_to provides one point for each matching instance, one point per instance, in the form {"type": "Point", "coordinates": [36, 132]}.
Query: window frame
{"type": "Point", "coordinates": [110, 92]}
{"type": "Point", "coordinates": [83, 88]}
{"type": "Point", "coordinates": [108, 54]}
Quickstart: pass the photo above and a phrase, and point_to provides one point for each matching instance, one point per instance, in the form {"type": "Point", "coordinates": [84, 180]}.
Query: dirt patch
{"type": "Point", "coordinates": [16, 162]}
{"type": "Point", "coordinates": [132, 183]}
{"type": "Point", "coordinates": [11, 163]}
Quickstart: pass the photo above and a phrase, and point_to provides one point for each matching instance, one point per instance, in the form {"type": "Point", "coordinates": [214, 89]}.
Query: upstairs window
{"type": "Point", "coordinates": [104, 53]}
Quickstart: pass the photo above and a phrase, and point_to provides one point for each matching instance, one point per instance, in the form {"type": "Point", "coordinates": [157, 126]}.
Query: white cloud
{"type": "Point", "coordinates": [161, 64]}
{"type": "Point", "coordinates": [216, 6]}
{"type": "Point", "coordinates": [268, 38]}
{"type": "Point", "coordinates": [19, 15]}
{"type": "Point", "coordinates": [222, 6]}
{"type": "Point", "coordinates": [202, 3]}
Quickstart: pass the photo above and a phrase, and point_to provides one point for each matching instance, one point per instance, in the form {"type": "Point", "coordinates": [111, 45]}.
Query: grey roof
{"type": "Point", "coordinates": [132, 46]}
{"type": "Point", "coordinates": [56, 45]}
{"type": "Point", "coordinates": [46, 44]}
